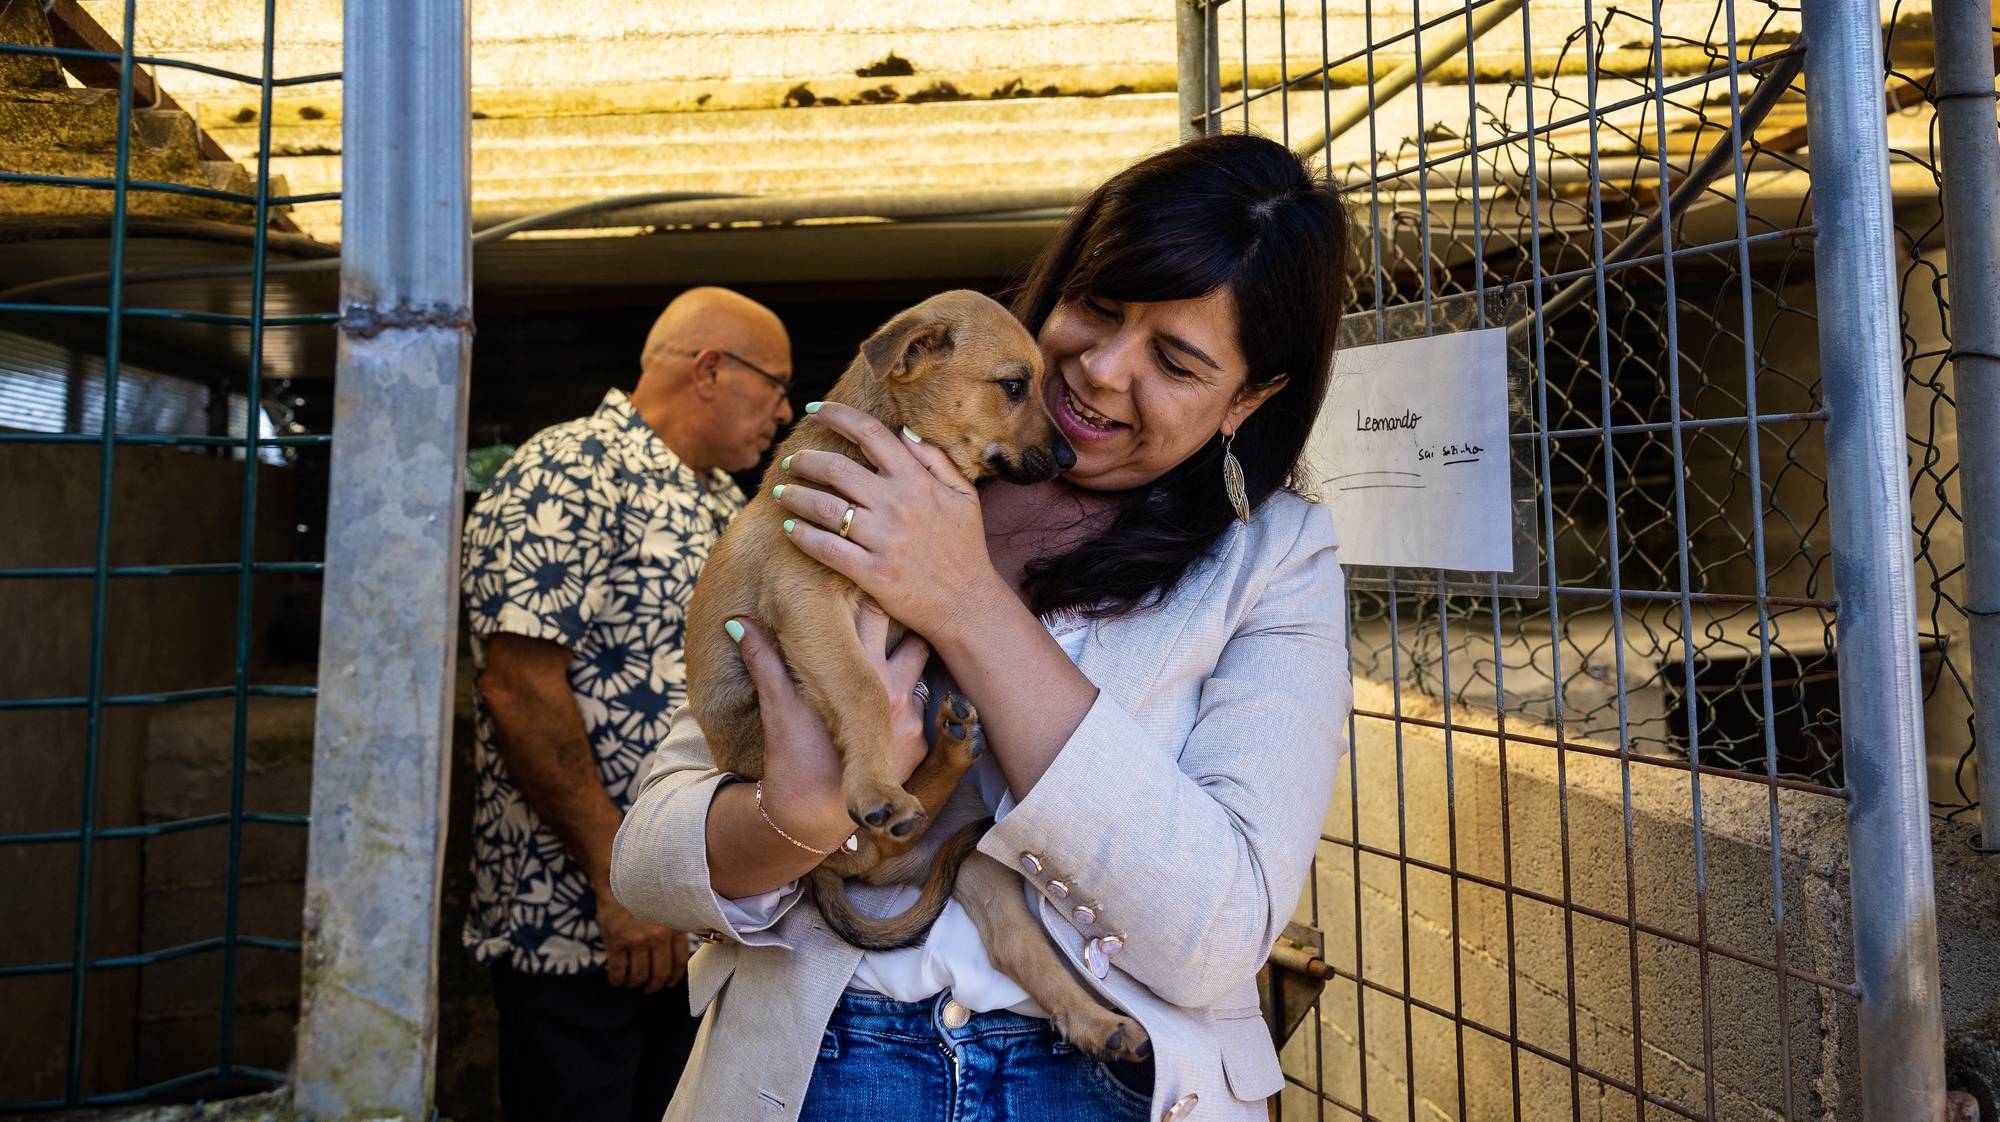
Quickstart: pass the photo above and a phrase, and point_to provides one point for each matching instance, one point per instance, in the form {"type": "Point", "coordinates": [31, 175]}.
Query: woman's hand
{"type": "Point", "coordinates": [917, 543]}
{"type": "Point", "coordinates": [802, 791]}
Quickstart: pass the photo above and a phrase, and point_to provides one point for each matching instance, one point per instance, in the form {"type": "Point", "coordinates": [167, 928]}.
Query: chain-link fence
{"type": "Point", "coordinates": [1601, 889]}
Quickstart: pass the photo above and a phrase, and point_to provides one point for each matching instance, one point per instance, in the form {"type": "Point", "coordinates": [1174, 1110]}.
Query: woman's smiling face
{"type": "Point", "coordinates": [1139, 387]}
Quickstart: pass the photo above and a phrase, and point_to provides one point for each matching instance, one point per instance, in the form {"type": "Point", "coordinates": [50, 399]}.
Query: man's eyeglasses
{"type": "Point", "coordinates": [784, 384]}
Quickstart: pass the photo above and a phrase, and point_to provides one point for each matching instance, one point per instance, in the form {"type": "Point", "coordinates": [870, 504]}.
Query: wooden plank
{"type": "Point", "coordinates": [72, 27]}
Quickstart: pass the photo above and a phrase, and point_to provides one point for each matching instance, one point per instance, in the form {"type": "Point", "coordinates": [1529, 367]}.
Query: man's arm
{"type": "Point", "coordinates": [549, 758]}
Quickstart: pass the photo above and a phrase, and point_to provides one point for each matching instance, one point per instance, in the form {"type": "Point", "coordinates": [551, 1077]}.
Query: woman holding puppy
{"type": "Point", "coordinates": [1155, 645]}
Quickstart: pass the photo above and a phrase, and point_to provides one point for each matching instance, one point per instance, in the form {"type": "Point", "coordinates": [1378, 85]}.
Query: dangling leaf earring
{"type": "Point", "coordinates": [1232, 479]}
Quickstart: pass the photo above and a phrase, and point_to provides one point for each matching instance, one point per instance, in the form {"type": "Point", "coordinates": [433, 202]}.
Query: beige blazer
{"type": "Point", "coordinates": [1186, 807]}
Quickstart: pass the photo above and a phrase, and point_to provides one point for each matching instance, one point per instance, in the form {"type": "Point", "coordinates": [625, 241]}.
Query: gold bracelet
{"type": "Point", "coordinates": [780, 830]}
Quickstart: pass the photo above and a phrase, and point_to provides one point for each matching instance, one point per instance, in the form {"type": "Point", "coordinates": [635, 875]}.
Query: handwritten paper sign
{"type": "Point", "coordinates": [1411, 453]}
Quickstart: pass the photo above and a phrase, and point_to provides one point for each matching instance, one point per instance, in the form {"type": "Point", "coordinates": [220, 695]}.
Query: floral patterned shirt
{"type": "Point", "coordinates": [590, 536]}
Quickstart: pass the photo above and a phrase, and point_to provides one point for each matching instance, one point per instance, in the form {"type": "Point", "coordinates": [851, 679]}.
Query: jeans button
{"type": "Point", "coordinates": [955, 1015]}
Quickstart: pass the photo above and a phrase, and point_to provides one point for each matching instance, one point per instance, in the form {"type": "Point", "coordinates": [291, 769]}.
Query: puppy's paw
{"type": "Point", "coordinates": [886, 811]}
{"type": "Point", "coordinates": [959, 731]}
{"type": "Point", "coordinates": [1104, 1034]}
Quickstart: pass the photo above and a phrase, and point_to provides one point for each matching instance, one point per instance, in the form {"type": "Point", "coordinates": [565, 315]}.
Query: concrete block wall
{"type": "Point", "coordinates": [1461, 957]}
{"type": "Point", "coordinates": [163, 633]}
{"type": "Point", "coordinates": [164, 763]}
{"type": "Point", "coordinates": [187, 771]}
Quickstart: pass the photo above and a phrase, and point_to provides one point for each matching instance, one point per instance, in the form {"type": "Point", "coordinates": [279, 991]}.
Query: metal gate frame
{"type": "Point", "coordinates": [1888, 813]}
{"type": "Point", "coordinates": [366, 1035]}
{"type": "Point", "coordinates": [107, 54]}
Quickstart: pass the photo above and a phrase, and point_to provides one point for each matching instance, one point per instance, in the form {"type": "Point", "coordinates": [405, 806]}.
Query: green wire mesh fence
{"type": "Point", "coordinates": [82, 832]}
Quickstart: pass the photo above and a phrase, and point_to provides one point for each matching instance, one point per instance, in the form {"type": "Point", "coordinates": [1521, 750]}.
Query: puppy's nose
{"type": "Point", "coordinates": [1065, 455]}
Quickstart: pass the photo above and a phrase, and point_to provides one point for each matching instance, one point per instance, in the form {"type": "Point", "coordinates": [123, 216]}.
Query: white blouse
{"type": "Point", "coordinates": [952, 956]}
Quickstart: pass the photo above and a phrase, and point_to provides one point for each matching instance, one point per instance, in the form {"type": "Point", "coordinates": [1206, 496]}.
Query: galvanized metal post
{"type": "Point", "coordinates": [1199, 81]}
{"type": "Point", "coordinates": [1901, 1041]}
{"type": "Point", "coordinates": [368, 1025]}
{"type": "Point", "coordinates": [1969, 150]}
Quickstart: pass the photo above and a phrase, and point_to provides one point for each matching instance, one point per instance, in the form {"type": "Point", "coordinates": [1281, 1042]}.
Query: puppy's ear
{"type": "Point", "coordinates": [896, 347]}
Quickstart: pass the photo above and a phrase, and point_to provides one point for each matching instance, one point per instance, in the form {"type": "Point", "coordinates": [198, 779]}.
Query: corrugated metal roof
{"type": "Point", "coordinates": [578, 102]}
{"type": "Point", "coordinates": [575, 103]}
{"type": "Point", "coordinates": [995, 104]}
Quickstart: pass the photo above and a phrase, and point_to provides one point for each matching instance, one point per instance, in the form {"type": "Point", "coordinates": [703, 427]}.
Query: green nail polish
{"type": "Point", "coordinates": [910, 436]}
{"type": "Point", "coordinates": [813, 406]}
{"type": "Point", "coordinates": [778, 492]}
{"type": "Point", "coordinates": [789, 524]}
{"type": "Point", "coordinates": [735, 630]}
{"type": "Point", "coordinates": [785, 464]}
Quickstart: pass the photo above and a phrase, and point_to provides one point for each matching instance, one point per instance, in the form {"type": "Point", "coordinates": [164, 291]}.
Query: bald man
{"type": "Point", "coordinates": [579, 562]}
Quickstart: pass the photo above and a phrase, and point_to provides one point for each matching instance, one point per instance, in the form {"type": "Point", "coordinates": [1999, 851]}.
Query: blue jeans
{"type": "Point", "coordinates": [896, 1061]}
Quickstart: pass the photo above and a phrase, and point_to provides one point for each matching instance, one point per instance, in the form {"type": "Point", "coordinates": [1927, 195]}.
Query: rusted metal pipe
{"type": "Point", "coordinates": [1300, 960]}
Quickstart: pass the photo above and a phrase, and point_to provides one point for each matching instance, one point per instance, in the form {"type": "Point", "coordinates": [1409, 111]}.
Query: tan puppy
{"type": "Point", "coordinates": [960, 370]}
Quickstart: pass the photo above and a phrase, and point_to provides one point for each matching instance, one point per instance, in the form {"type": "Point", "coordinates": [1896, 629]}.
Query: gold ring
{"type": "Point", "coordinates": [847, 522]}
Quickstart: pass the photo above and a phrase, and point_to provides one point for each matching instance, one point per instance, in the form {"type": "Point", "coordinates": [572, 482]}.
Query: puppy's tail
{"type": "Point", "coordinates": [829, 894]}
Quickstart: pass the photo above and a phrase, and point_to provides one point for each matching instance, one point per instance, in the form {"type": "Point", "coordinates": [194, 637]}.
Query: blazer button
{"type": "Point", "coordinates": [1031, 864]}
{"type": "Point", "coordinates": [1095, 958]}
{"type": "Point", "coordinates": [1183, 1108]}
{"type": "Point", "coordinates": [1112, 944]}
{"type": "Point", "coordinates": [1059, 890]}
{"type": "Point", "coordinates": [1084, 915]}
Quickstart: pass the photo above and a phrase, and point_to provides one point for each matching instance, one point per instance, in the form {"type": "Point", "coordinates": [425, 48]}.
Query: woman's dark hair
{"type": "Point", "coordinates": [1234, 212]}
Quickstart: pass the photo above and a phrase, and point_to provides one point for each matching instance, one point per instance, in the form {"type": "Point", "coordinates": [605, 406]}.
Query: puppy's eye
{"type": "Point", "coordinates": [1014, 388]}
